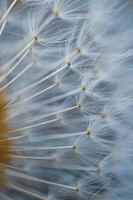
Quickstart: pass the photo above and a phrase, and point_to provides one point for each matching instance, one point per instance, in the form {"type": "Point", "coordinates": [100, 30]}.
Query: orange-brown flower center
{"type": "Point", "coordinates": [5, 144]}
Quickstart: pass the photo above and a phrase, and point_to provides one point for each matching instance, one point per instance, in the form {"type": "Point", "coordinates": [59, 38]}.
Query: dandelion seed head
{"type": "Point", "coordinates": [66, 100]}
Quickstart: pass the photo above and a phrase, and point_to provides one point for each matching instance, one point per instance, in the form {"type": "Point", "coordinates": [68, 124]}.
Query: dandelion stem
{"type": "Point", "coordinates": [50, 158]}
{"type": "Point", "coordinates": [15, 114]}
{"type": "Point", "coordinates": [11, 167]}
{"type": "Point", "coordinates": [8, 11]}
{"type": "Point", "coordinates": [44, 79]}
{"type": "Point", "coordinates": [11, 70]}
{"type": "Point", "coordinates": [3, 26]}
{"type": "Point", "coordinates": [57, 98]}
{"type": "Point", "coordinates": [38, 180]}
{"type": "Point", "coordinates": [38, 93]}
{"type": "Point", "coordinates": [54, 113]}
{"type": "Point", "coordinates": [10, 104]}
{"type": "Point", "coordinates": [13, 138]}
{"type": "Point", "coordinates": [27, 47]}
{"type": "Point", "coordinates": [12, 101]}
{"type": "Point", "coordinates": [30, 148]}
{"type": "Point", "coordinates": [62, 135]}
{"type": "Point", "coordinates": [25, 191]}
{"type": "Point", "coordinates": [16, 77]}
{"type": "Point", "coordinates": [60, 97]}
{"type": "Point", "coordinates": [34, 125]}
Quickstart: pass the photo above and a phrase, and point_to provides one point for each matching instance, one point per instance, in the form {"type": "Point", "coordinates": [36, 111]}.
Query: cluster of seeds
{"type": "Point", "coordinates": [66, 100]}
